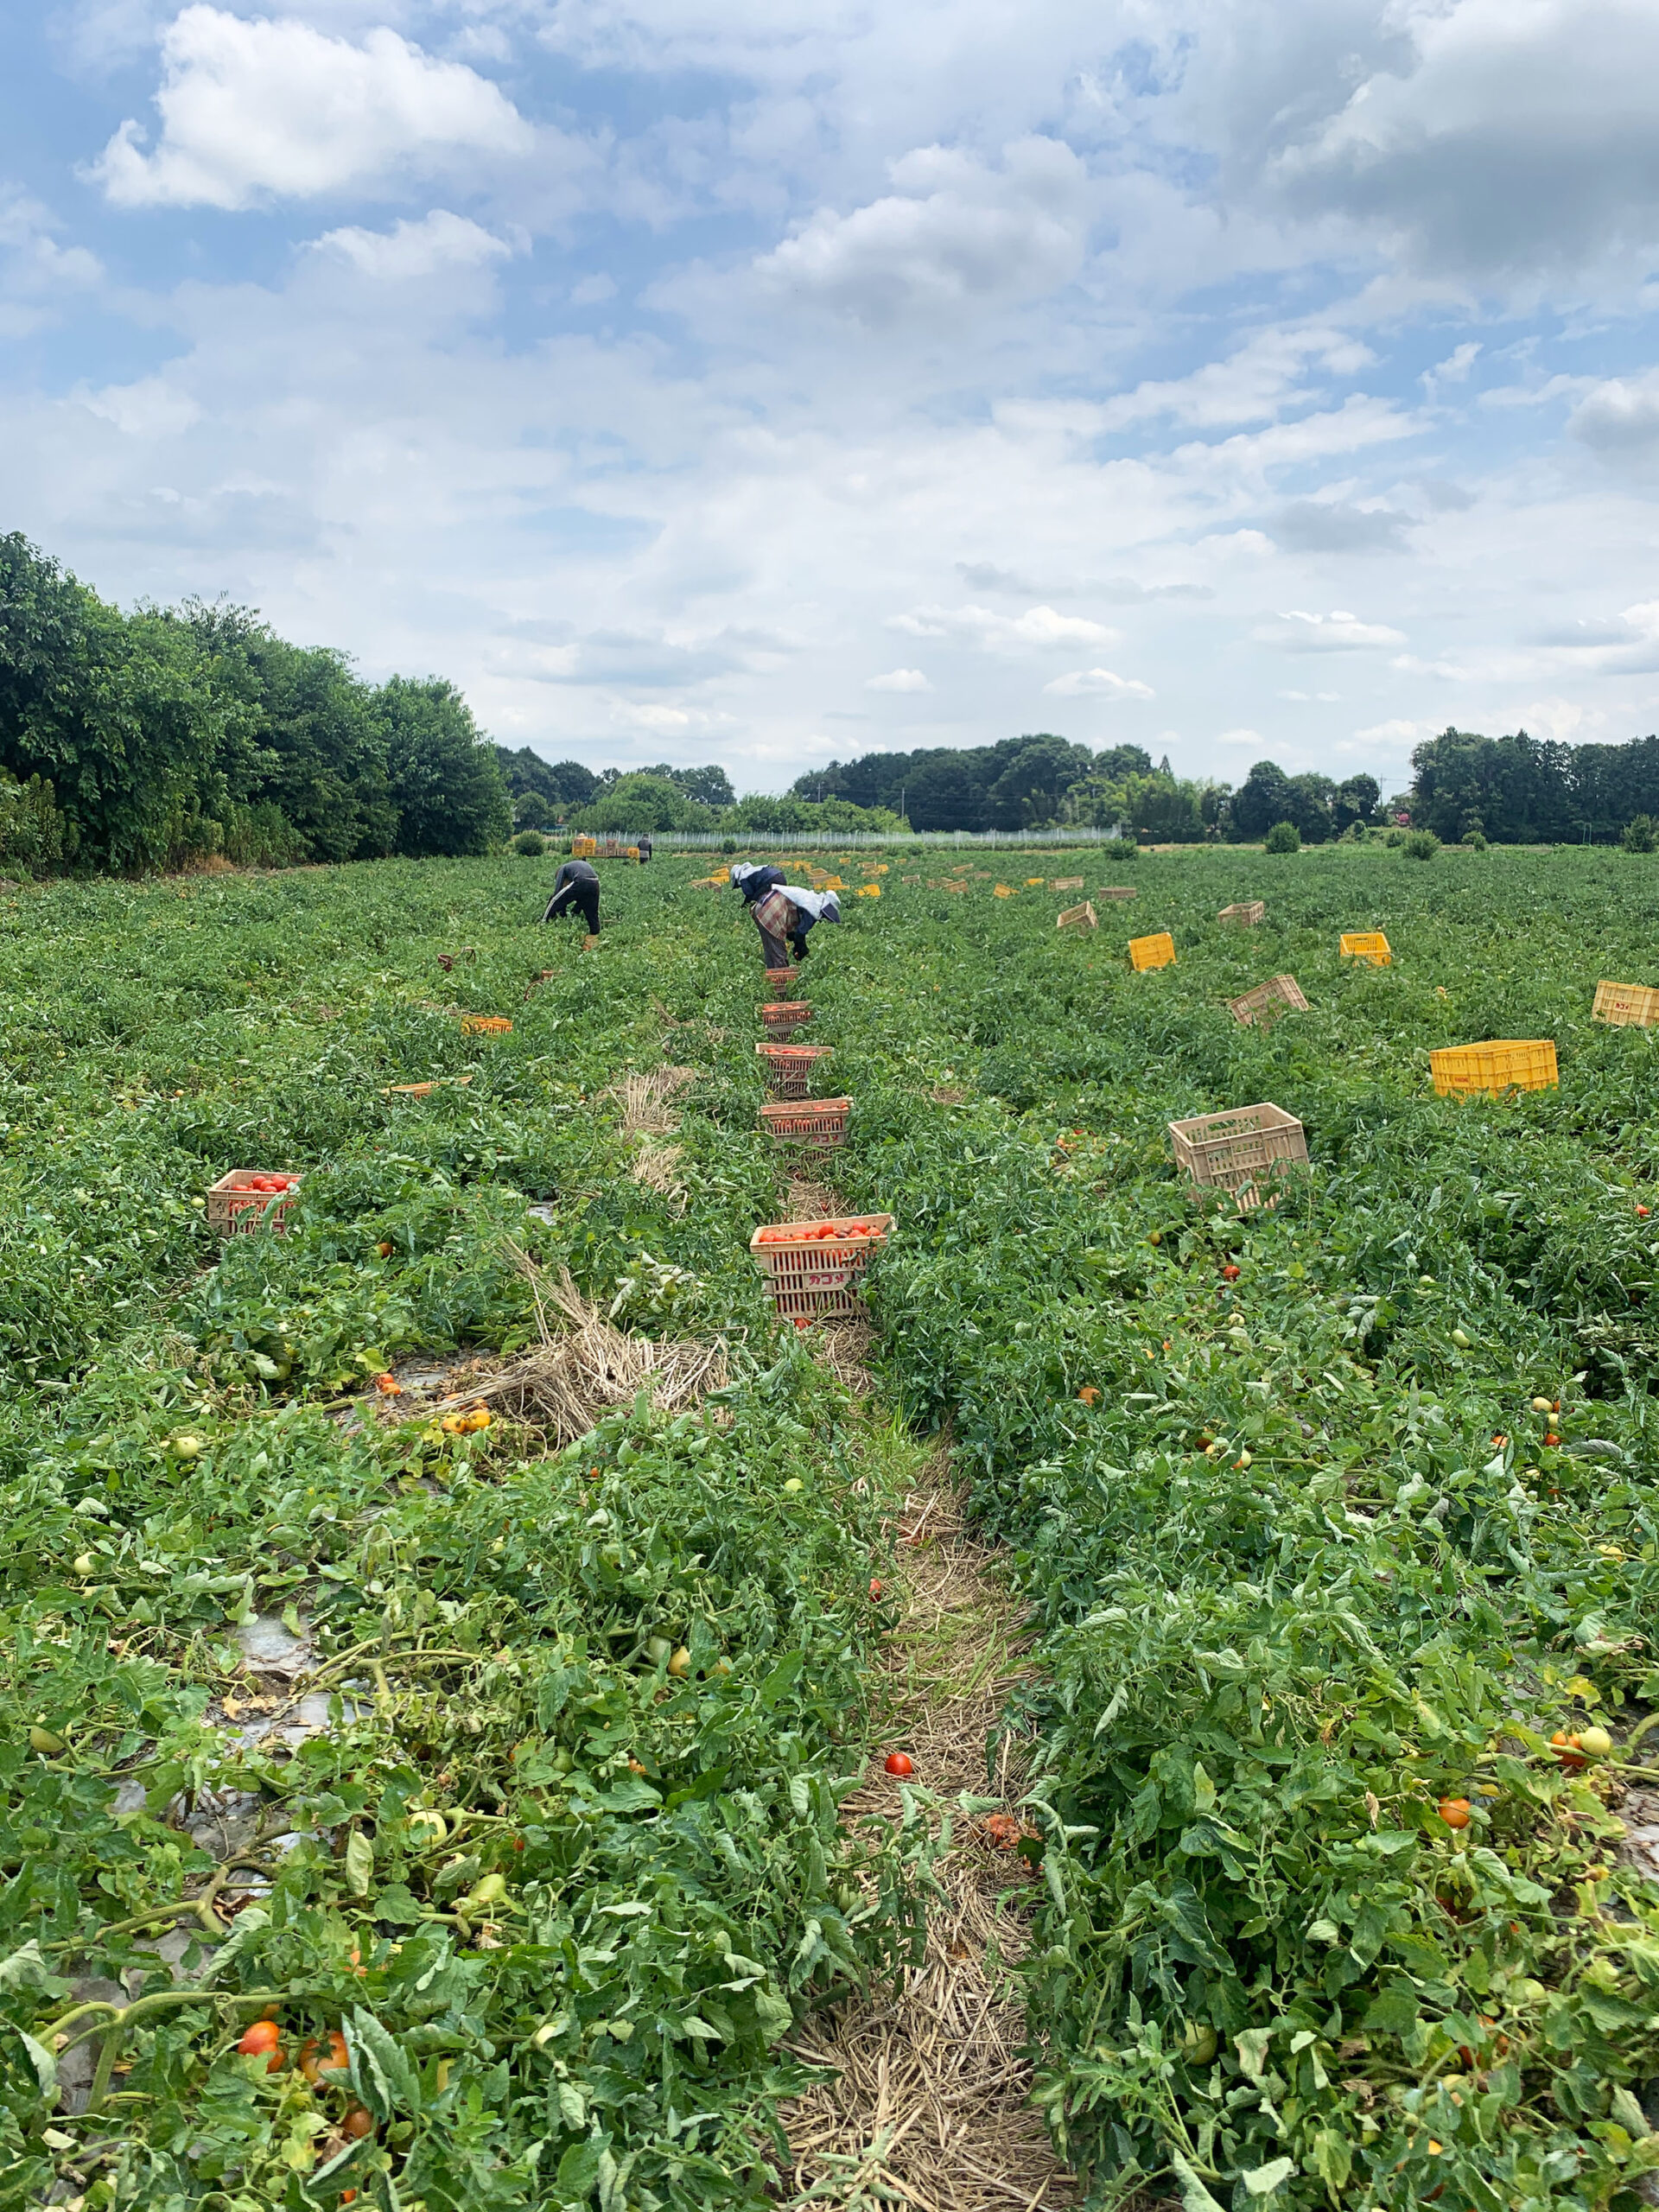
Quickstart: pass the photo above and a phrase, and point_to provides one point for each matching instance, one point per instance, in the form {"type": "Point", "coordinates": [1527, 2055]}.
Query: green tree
{"type": "Point", "coordinates": [642, 802]}
{"type": "Point", "coordinates": [1356, 802]}
{"type": "Point", "coordinates": [1284, 837]}
{"type": "Point", "coordinates": [445, 781]}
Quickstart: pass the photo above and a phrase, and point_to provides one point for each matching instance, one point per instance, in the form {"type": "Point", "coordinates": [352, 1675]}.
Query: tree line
{"type": "Point", "coordinates": [172, 737]}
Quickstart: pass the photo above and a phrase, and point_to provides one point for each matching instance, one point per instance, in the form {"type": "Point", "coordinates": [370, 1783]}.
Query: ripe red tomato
{"type": "Point", "coordinates": [263, 2040]}
{"type": "Point", "coordinates": [1229, 1273]}
{"type": "Point", "coordinates": [875, 1585]}
{"type": "Point", "coordinates": [357, 2124]}
{"type": "Point", "coordinates": [900, 1763]}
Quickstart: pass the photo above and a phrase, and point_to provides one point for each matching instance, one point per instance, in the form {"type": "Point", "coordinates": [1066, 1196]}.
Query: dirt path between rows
{"type": "Point", "coordinates": [926, 2098]}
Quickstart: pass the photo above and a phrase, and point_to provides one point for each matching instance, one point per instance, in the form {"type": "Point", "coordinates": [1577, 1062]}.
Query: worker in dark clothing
{"type": "Point", "coordinates": [575, 891]}
{"type": "Point", "coordinates": [645, 849]}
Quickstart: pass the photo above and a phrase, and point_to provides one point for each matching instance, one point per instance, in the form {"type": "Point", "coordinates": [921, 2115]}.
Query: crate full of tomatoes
{"type": "Point", "coordinates": [249, 1199]}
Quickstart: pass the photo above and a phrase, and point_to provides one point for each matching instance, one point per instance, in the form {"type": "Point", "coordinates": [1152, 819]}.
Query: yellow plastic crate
{"type": "Point", "coordinates": [1508, 1064]}
{"type": "Point", "coordinates": [1367, 944]}
{"type": "Point", "coordinates": [583, 848]}
{"type": "Point", "coordinates": [1157, 952]}
{"type": "Point", "coordinates": [1626, 1005]}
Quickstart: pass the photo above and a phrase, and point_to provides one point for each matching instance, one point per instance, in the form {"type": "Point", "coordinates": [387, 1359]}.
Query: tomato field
{"type": "Point", "coordinates": [483, 1780]}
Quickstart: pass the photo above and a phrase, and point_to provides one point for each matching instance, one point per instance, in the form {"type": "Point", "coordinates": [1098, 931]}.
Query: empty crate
{"type": "Point", "coordinates": [1626, 1005]}
{"type": "Point", "coordinates": [1246, 1152]}
{"type": "Point", "coordinates": [1079, 918]}
{"type": "Point", "coordinates": [1279, 994]}
{"type": "Point", "coordinates": [1507, 1064]}
{"type": "Point", "coordinates": [1367, 944]}
{"type": "Point", "coordinates": [1158, 951]}
{"type": "Point", "coordinates": [1248, 912]}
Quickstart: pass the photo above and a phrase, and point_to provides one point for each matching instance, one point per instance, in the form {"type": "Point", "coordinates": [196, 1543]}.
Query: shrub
{"type": "Point", "coordinates": [1394, 837]}
{"type": "Point", "coordinates": [1474, 839]}
{"type": "Point", "coordinates": [1640, 835]}
{"type": "Point", "coordinates": [1420, 844]}
{"type": "Point", "coordinates": [1284, 837]}
{"type": "Point", "coordinates": [529, 845]}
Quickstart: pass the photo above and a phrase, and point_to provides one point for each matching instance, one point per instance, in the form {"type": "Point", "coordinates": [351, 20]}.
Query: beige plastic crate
{"type": "Point", "coordinates": [789, 1067]}
{"type": "Point", "coordinates": [814, 1266]}
{"type": "Point", "coordinates": [1248, 1151]}
{"type": "Point", "coordinates": [821, 1122]}
{"type": "Point", "coordinates": [1246, 912]}
{"type": "Point", "coordinates": [1079, 918]}
{"type": "Point", "coordinates": [1627, 1005]}
{"type": "Point", "coordinates": [235, 1209]}
{"type": "Point", "coordinates": [1279, 994]}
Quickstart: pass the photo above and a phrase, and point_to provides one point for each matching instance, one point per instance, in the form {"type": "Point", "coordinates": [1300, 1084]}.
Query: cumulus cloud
{"type": "Point", "coordinates": [1097, 684]}
{"type": "Point", "coordinates": [409, 250]}
{"type": "Point", "coordinates": [1620, 418]}
{"type": "Point", "coordinates": [954, 235]}
{"type": "Point", "coordinates": [898, 679]}
{"type": "Point", "coordinates": [983, 626]}
{"type": "Point", "coordinates": [1336, 633]}
{"type": "Point", "coordinates": [1508, 140]}
{"type": "Point", "coordinates": [255, 109]}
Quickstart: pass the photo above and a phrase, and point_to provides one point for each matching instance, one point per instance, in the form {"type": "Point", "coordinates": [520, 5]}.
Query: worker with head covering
{"type": "Point", "coordinates": [575, 891]}
{"type": "Point", "coordinates": [784, 912]}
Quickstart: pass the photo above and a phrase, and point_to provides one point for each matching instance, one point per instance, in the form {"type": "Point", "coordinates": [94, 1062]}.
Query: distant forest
{"type": "Point", "coordinates": [195, 735]}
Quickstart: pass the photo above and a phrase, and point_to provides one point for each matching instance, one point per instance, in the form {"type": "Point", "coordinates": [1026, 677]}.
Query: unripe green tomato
{"type": "Point", "coordinates": [1199, 2042]}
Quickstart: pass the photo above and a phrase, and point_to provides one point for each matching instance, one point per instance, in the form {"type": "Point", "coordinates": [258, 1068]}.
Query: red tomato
{"type": "Point", "coordinates": [357, 2124]}
{"type": "Point", "coordinates": [315, 2059]}
{"type": "Point", "coordinates": [875, 1585]}
{"type": "Point", "coordinates": [263, 2040]}
{"type": "Point", "coordinates": [1229, 1273]}
{"type": "Point", "coordinates": [1640, 1213]}
{"type": "Point", "coordinates": [900, 1763]}
{"type": "Point", "coordinates": [1552, 1437]}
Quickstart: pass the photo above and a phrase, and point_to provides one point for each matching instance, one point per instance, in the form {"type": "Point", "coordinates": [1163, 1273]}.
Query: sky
{"type": "Point", "coordinates": [772, 381]}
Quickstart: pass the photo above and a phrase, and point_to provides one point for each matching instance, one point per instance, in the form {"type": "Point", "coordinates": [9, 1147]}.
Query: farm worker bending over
{"type": "Point", "coordinates": [575, 891]}
{"type": "Point", "coordinates": [784, 912]}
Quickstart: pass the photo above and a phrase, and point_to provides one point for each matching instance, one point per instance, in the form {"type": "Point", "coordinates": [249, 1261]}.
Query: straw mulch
{"type": "Point", "coordinates": [649, 1114]}
{"type": "Point", "coordinates": [925, 2100]}
{"type": "Point", "coordinates": [584, 1369]}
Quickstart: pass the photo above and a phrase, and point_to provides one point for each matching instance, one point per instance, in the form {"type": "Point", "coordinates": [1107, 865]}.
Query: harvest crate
{"type": "Point", "coordinates": [785, 1018]}
{"type": "Point", "coordinates": [789, 1067]}
{"type": "Point", "coordinates": [1157, 952]}
{"type": "Point", "coordinates": [484, 1024]}
{"type": "Point", "coordinates": [1247, 1151]}
{"type": "Point", "coordinates": [780, 981]}
{"type": "Point", "coordinates": [1280, 994]}
{"type": "Point", "coordinates": [821, 1122]}
{"type": "Point", "coordinates": [1367, 944]}
{"type": "Point", "coordinates": [583, 849]}
{"type": "Point", "coordinates": [814, 1266]}
{"type": "Point", "coordinates": [1246, 912]}
{"type": "Point", "coordinates": [1079, 918]}
{"type": "Point", "coordinates": [1508, 1064]}
{"type": "Point", "coordinates": [234, 1209]}
{"type": "Point", "coordinates": [1065, 883]}
{"type": "Point", "coordinates": [1118, 891]}
{"type": "Point", "coordinates": [1626, 1005]}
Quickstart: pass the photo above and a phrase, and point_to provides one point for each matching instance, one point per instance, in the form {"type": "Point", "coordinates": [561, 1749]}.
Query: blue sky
{"type": "Point", "coordinates": [769, 381]}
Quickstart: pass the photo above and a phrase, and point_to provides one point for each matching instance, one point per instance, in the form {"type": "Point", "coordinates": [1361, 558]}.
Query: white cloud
{"type": "Point", "coordinates": [1253, 385]}
{"type": "Point", "coordinates": [1336, 633]}
{"type": "Point", "coordinates": [1455, 369]}
{"type": "Point", "coordinates": [1312, 698]}
{"type": "Point", "coordinates": [1097, 682]}
{"type": "Point", "coordinates": [410, 250]}
{"type": "Point", "coordinates": [954, 236]}
{"type": "Point", "coordinates": [1620, 418]}
{"type": "Point", "coordinates": [1396, 732]}
{"type": "Point", "coordinates": [254, 109]}
{"type": "Point", "coordinates": [152, 409]}
{"type": "Point", "coordinates": [592, 290]}
{"type": "Point", "coordinates": [1510, 138]}
{"type": "Point", "coordinates": [1241, 737]}
{"type": "Point", "coordinates": [898, 679]}
{"type": "Point", "coordinates": [983, 626]}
